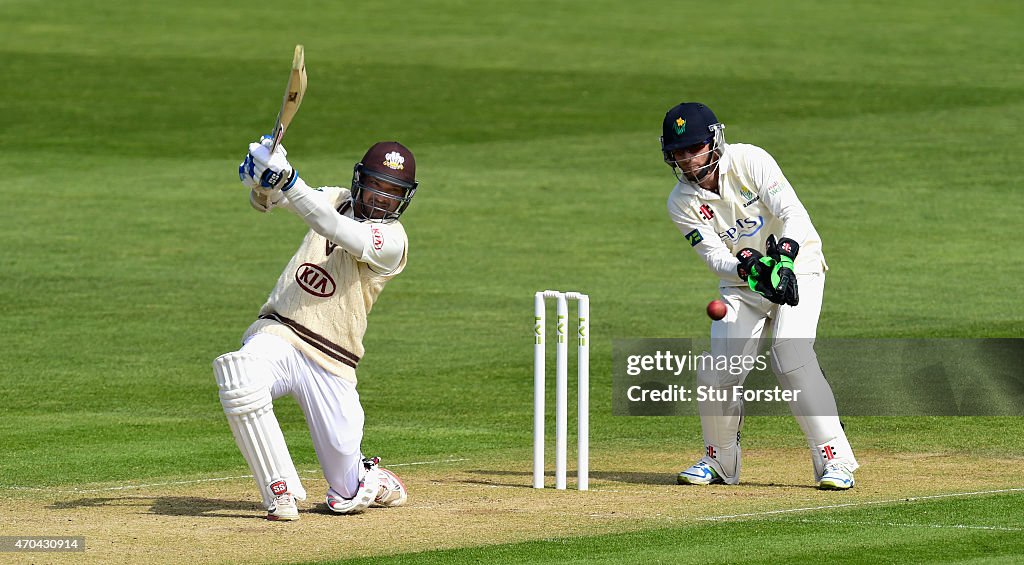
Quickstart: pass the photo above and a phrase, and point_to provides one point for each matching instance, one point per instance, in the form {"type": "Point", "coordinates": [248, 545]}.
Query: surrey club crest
{"type": "Point", "coordinates": [394, 160]}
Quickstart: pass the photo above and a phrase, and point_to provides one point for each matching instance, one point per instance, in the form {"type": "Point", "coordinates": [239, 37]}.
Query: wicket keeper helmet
{"type": "Point", "coordinates": [390, 162]}
{"type": "Point", "coordinates": [689, 124]}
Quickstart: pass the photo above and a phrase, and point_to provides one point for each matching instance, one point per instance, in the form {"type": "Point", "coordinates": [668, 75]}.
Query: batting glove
{"type": "Point", "coordinates": [247, 173]}
{"type": "Point", "coordinates": [271, 170]}
{"type": "Point", "coordinates": [757, 270]}
{"type": "Point", "coordinates": [783, 279]}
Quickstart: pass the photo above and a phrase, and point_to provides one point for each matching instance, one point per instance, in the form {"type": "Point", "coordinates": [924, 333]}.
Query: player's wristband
{"type": "Point", "coordinates": [291, 180]}
{"type": "Point", "coordinates": [273, 179]}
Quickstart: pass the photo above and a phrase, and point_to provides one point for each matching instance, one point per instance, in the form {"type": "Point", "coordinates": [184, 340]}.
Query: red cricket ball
{"type": "Point", "coordinates": [717, 309]}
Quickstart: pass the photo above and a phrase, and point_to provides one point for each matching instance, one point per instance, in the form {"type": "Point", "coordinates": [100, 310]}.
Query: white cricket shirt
{"type": "Point", "coordinates": [754, 200]}
{"type": "Point", "coordinates": [322, 298]}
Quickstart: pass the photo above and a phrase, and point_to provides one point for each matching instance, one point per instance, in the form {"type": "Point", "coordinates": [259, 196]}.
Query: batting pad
{"type": "Point", "coordinates": [721, 422]}
{"type": "Point", "coordinates": [837, 449]}
{"type": "Point", "coordinates": [796, 366]}
{"type": "Point", "coordinates": [244, 383]}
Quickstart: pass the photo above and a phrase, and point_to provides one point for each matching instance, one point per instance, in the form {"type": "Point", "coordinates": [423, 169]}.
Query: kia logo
{"type": "Point", "coordinates": [378, 238]}
{"type": "Point", "coordinates": [314, 280]}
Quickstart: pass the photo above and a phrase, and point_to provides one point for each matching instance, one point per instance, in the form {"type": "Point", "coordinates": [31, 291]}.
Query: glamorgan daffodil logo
{"type": "Point", "coordinates": [747, 195]}
{"type": "Point", "coordinates": [680, 125]}
{"type": "Point", "coordinates": [394, 160]}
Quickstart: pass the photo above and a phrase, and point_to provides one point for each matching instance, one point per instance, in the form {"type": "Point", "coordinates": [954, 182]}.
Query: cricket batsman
{"type": "Point", "coordinates": [739, 213]}
{"type": "Point", "coordinates": [308, 338]}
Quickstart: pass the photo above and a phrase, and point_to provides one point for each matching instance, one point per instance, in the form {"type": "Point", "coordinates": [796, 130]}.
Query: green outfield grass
{"type": "Point", "coordinates": [132, 259]}
{"type": "Point", "coordinates": [912, 532]}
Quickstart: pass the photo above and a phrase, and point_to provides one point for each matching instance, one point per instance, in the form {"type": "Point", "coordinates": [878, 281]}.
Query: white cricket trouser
{"type": "Point", "coordinates": [330, 404]}
{"type": "Point", "coordinates": [792, 330]}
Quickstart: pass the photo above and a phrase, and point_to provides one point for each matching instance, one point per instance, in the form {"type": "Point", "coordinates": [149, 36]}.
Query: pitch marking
{"type": "Point", "coordinates": [853, 504]}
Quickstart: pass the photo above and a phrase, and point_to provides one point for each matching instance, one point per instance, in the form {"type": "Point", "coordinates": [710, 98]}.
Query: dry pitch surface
{"type": "Point", "coordinates": [456, 503]}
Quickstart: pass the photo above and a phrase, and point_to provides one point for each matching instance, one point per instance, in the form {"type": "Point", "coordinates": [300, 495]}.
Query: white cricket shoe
{"type": "Point", "coordinates": [367, 491]}
{"type": "Point", "coordinates": [837, 476]}
{"type": "Point", "coordinates": [392, 491]}
{"type": "Point", "coordinates": [699, 474]}
{"type": "Point", "coordinates": [369, 486]}
{"type": "Point", "coordinates": [283, 508]}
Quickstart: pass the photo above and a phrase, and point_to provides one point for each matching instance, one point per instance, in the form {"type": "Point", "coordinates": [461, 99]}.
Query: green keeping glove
{"type": "Point", "coordinates": [783, 279]}
{"type": "Point", "coordinates": [757, 270]}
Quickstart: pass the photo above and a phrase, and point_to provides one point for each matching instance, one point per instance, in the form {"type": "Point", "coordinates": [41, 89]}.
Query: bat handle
{"type": "Point", "coordinates": [278, 135]}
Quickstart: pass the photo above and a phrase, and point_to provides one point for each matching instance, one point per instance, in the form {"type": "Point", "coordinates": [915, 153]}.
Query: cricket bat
{"type": "Point", "coordinates": [293, 94]}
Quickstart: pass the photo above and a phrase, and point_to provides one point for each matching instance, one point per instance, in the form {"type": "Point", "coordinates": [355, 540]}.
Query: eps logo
{"type": "Point", "coordinates": [744, 227]}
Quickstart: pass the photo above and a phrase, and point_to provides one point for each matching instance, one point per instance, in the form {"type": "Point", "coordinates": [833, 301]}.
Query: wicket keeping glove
{"type": "Point", "coordinates": [271, 170]}
{"type": "Point", "coordinates": [784, 253]}
{"type": "Point", "coordinates": [757, 269]}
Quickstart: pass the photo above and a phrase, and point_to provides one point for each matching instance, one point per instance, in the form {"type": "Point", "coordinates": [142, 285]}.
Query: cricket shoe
{"type": "Point", "coordinates": [699, 474]}
{"type": "Point", "coordinates": [369, 486]}
{"type": "Point", "coordinates": [283, 508]}
{"type": "Point", "coordinates": [837, 476]}
{"type": "Point", "coordinates": [392, 491]}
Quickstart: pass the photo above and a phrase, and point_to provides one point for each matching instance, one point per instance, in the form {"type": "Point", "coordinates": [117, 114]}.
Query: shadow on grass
{"type": "Point", "coordinates": [171, 506]}
{"type": "Point", "coordinates": [627, 477]}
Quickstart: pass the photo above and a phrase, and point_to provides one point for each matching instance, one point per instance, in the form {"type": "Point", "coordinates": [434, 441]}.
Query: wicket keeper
{"type": "Point", "coordinates": [739, 213]}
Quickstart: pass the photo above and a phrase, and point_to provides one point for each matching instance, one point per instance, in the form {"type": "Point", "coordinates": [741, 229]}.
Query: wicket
{"type": "Point", "coordinates": [561, 388]}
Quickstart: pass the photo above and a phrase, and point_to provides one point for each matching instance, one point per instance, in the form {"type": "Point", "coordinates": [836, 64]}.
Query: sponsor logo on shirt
{"type": "Point", "coordinates": [314, 280]}
{"type": "Point", "coordinates": [706, 211]}
{"type": "Point", "coordinates": [694, 238]}
{"type": "Point", "coordinates": [748, 197]}
{"type": "Point", "coordinates": [776, 187]}
{"type": "Point", "coordinates": [378, 238]}
{"type": "Point", "coordinates": [745, 227]}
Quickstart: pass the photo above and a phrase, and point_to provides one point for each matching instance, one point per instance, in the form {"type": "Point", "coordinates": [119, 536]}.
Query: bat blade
{"type": "Point", "coordinates": [293, 93]}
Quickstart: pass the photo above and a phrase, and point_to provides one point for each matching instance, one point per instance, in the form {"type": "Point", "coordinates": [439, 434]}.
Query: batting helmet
{"type": "Point", "coordinates": [390, 162]}
{"type": "Point", "coordinates": [689, 124]}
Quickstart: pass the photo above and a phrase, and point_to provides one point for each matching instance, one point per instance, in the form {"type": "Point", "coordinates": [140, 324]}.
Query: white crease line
{"type": "Point", "coordinates": [904, 525]}
{"type": "Point", "coordinates": [196, 481]}
{"type": "Point", "coordinates": [852, 504]}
